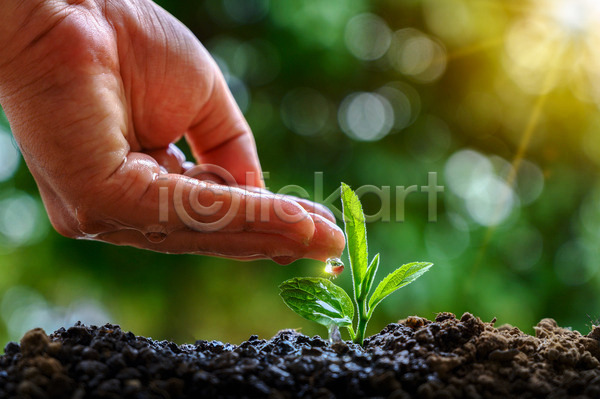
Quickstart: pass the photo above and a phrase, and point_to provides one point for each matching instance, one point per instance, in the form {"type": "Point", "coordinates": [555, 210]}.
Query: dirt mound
{"type": "Point", "coordinates": [445, 358]}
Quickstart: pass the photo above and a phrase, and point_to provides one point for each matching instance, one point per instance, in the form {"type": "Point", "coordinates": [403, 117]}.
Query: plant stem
{"type": "Point", "coordinates": [363, 320]}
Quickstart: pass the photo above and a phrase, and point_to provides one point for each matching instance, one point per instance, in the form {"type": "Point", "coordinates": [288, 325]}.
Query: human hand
{"type": "Point", "coordinates": [98, 91]}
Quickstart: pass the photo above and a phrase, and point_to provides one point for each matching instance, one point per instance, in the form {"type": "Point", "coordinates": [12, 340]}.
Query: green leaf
{"type": "Point", "coordinates": [356, 235]}
{"type": "Point", "coordinates": [371, 272]}
{"type": "Point", "coordinates": [318, 299]}
{"type": "Point", "coordinates": [402, 276]}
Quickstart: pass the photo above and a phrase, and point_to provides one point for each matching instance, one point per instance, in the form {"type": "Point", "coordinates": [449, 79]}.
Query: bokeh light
{"type": "Point", "coordinates": [464, 171]}
{"type": "Point", "coordinates": [491, 203]}
{"type": "Point", "coordinates": [9, 155]}
{"type": "Point", "coordinates": [529, 182]}
{"type": "Point", "coordinates": [417, 55]}
{"type": "Point", "coordinates": [462, 30]}
{"type": "Point", "coordinates": [366, 116]}
{"type": "Point", "coordinates": [405, 102]}
{"type": "Point", "coordinates": [367, 36]}
{"type": "Point", "coordinates": [488, 197]}
{"type": "Point", "coordinates": [22, 220]}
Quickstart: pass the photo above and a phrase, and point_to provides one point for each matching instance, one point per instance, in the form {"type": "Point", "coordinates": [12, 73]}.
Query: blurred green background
{"type": "Point", "coordinates": [499, 98]}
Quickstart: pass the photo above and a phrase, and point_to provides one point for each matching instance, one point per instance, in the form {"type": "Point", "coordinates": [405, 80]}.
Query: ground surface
{"type": "Point", "coordinates": [444, 358]}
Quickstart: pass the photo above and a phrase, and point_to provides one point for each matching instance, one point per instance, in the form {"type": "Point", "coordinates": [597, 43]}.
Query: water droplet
{"type": "Point", "coordinates": [155, 237]}
{"type": "Point", "coordinates": [334, 334]}
{"type": "Point", "coordinates": [334, 266]}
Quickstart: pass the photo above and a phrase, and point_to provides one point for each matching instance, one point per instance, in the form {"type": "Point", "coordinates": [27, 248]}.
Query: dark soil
{"type": "Point", "coordinates": [445, 358]}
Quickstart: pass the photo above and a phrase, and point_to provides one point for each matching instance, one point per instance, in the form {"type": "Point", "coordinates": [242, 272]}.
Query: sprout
{"type": "Point", "coordinates": [320, 300]}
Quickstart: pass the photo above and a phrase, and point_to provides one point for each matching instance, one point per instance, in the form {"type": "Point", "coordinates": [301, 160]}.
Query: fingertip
{"type": "Point", "coordinates": [328, 240]}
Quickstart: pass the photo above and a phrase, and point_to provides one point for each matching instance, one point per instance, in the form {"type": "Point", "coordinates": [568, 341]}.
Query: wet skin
{"type": "Point", "coordinates": [97, 92]}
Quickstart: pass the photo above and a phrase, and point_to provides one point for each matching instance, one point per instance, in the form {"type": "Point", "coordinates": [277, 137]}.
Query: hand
{"type": "Point", "coordinates": [97, 92]}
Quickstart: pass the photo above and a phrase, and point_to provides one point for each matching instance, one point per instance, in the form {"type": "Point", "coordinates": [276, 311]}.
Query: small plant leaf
{"type": "Point", "coordinates": [318, 299]}
{"type": "Point", "coordinates": [356, 234]}
{"type": "Point", "coordinates": [371, 272]}
{"type": "Point", "coordinates": [402, 276]}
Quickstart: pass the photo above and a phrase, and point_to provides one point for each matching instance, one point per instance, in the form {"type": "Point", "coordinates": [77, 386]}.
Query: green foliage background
{"type": "Point", "coordinates": [541, 260]}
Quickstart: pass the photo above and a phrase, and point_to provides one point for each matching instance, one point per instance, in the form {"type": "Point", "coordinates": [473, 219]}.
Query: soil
{"type": "Point", "coordinates": [444, 358]}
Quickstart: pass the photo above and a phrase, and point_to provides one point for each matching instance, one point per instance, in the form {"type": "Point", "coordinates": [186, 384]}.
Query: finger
{"type": "Point", "coordinates": [138, 197]}
{"type": "Point", "coordinates": [207, 207]}
{"type": "Point", "coordinates": [179, 214]}
{"type": "Point", "coordinates": [316, 208]}
{"type": "Point", "coordinates": [206, 172]}
{"type": "Point", "coordinates": [243, 245]}
{"type": "Point", "coordinates": [221, 135]}
{"type": "Point", "coordinates": [328, 242]}
{"type": "Point", "coordinates": [312, 207]}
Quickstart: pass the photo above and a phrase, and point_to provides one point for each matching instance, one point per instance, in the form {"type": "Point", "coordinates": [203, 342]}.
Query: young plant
{"type": "Point", "coordinates": [318, 299]}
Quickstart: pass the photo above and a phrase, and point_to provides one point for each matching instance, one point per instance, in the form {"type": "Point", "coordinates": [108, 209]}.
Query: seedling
{"type": "Point", "coordinates": [318, 299]}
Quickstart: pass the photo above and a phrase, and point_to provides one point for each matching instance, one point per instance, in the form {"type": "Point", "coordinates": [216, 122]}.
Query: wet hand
{"type": "Point", "coordinates": [97, 92]}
